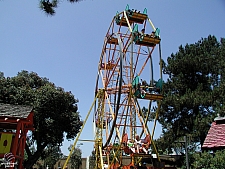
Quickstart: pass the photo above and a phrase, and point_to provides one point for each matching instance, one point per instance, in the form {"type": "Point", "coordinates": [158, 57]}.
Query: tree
{"type": "Point", "coordinates": [75, 159]}
{"type": "Point", "coordinates": [49, 6]}
{"type": "Point", "coordinates": [193, 92]}
{"type": "Point", "coordinates": [92, 160]}
{"type": "Point", "coordinates": [51, 155]}
{"type": "Point", "coordinates": [55, 111]}
{"type": "Point", "coordinates": [206, 160]}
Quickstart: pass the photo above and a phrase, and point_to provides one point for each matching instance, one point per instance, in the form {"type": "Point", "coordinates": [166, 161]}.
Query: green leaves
{"type": "Point", "coordinates": [55, 110]}
{"type": "Point", "coordinates": [207, 160]}
{"type": "Point", "coordinates": [75, 159]}
{"type": "Point", "coordinates": [51, 155]}
{"type": "Point", "coordinates": [49, 6]}
{"type": "Point", "coordinates": [194, 91]}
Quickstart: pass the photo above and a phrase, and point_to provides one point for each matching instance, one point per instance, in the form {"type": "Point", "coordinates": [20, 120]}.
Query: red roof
{"type": "Point", "coordinates": [216, 136]}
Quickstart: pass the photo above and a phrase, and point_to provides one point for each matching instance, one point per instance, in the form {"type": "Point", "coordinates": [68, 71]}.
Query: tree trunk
{"type": "Point", "coordinates": [30, 162]}
{"type": "Point", "coordinates": [32, 159]}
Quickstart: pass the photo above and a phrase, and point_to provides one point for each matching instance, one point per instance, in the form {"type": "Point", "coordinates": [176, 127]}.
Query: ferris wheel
{"type": "Point", "coordinates": [128, 91]}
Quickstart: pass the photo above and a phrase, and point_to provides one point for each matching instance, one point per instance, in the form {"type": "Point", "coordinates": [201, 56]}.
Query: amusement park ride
{"type": "Point", "coordinates": [122, 137]}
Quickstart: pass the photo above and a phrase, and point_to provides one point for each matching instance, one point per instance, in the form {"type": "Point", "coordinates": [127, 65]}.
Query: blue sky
{"type": "Point", "coordinates": [66, 47]}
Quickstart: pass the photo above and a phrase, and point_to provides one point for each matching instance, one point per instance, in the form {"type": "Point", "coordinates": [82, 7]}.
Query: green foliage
{"type": "Point", "coordinates": [49, 6]}
{"type": "Point", "coordinates": [194, 91]}
{"type": "Point", "coordinates": [92, 160]}
{"type": "Point", "coordinates": [1, 74]}
{"type": "Point", "coordinates": [75, 158]}
{"type": "Point", "coordinates": [51, 155]}
{"type": "Point", "coordinates": [55, 110]}
{"type": "Point", "coordinates": [150, 116]}
{"type": "Point", "coordinates": [207, 160]}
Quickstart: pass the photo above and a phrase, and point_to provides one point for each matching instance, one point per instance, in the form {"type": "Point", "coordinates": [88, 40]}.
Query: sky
{"type": "Point", "coordinates": [66, 47]}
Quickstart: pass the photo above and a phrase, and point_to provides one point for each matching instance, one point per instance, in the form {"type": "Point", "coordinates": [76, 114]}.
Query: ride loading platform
{"type": "Point", "coordinates": [130, 151]}
{"type": "Point", "coordinates": [145, 91]}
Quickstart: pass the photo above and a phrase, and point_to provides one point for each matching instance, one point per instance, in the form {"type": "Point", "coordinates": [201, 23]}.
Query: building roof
{"type": "Point", "coordinates": [16, 111]}
{"type": "Point", "coordinates": [215, 138]}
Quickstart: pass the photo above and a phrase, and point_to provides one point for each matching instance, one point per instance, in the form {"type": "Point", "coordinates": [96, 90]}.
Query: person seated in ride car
{"type": "Point", "coordinates": [139, 144]}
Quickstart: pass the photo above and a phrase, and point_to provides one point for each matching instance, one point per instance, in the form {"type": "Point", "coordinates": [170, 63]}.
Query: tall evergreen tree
{"type": "Point", "coordinates": [192, 92]}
